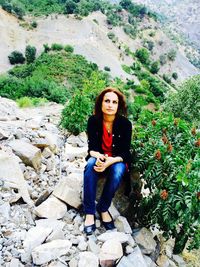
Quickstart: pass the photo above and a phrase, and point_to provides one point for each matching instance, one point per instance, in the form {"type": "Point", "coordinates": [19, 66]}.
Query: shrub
{"type": "Point", "coordinates": [75, 114]}
{"type": "Point", "coordinates": [25, 102]}
{"type": "Point", "coordinates": [46, 48]}
{"type": "Point", "coordinates": [69, 48]}
{"type": "Point", "coordinates": [130, 30]}
{"type": "Point", "coordinates": [70, 7]}
{"type": "Point", "coordinates": [56, 47]}
{"type": "Point", "coordinates": [185, 103]}
{"type": "Point", "coordinates": [171, 54]}
{"type": "Point", "coordinates": [7, 7]}
{"type": "Point", "coordinates": [175, 75]}
{"type": "Point", "coordinates": [34, 24]}
{"type": "Point", "coordinates": [11, 87]}
{"type": "Point", "coordinates": [143, 55]}
{"type": "Point", "coordinates": [163, 59]}
{"type": "Point", "coordinates": [155, 66]}
{"type": "Point", "coordinates": [16, 57]}
{"type": "Point", "coordinates": [30, 54]}
{"type": "Point", "coordinates": [168, 160]}
{"type": "Point", "coordinates": [166, 78]}
{"type": "Point", "coordinates": [111, 35]}
{"type": "Point", "coordinates": [106, 68]}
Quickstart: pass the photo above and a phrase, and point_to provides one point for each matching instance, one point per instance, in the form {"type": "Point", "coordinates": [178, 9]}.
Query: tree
{"type": "Point", "coordinates": [30, 54]}
{"type": "Point", "coordinates": [143, 55]}
{"type": "Point", "coordinates": [126, 4]}
{"type": "Point", "coordinates": [171, 54]}
{"type": "Point", "coordinates": [70, 7]}
{"type": "Point", "coordinates": [16, 57]}
{"type": "Point", "coordinates": [7, 7]}
{"type": "Point", "coordinates": [185, 103]}
{"type": "Point", "coordinates": [155, 66]}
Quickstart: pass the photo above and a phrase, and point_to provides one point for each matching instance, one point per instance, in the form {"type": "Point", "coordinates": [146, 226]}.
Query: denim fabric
{"type": "Point", "coordinates": [114, 175]}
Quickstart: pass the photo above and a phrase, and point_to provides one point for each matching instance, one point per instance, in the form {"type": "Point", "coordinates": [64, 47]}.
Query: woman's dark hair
{"type": "Point", "coordinates": [122, 108]}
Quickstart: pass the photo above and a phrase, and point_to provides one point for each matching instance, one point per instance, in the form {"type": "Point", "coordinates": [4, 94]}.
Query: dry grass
{"type": "Point", "coordinates": [192, 258]}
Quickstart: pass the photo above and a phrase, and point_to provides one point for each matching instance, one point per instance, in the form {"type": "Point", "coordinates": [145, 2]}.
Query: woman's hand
{"type": "Point", "coordinates": [101, 166]}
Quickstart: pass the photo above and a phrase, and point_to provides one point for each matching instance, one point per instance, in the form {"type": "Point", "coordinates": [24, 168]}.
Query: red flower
{"type": "Point", "coordinates": [175, 122]}
{"type": "Point", "coordinates": [158, 155]}
{"type": "Point", "coordinates": [197, 143]}
{"type": "Point", "coordinates": [170, 147]}
{"type": "Point", "coordinates": [164, 139]}
{"type": "Point", "coordinates": [164, 194]}
{"type": "Point", "coordinates": [193, 131]}
{"type": "Point", "coordinates": [153, 122]}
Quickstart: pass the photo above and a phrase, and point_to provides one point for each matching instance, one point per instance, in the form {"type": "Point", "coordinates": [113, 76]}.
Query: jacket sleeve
{"type": "Point", "coordinates": [126, 143]}
{"type": "Point", "coordinates": [92, 133]}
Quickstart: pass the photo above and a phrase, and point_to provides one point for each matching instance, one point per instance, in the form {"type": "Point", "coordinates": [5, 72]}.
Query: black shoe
{"type": "Point", "coordinates": [89, 229]}
{"type": "Point", "coordinates": [108, 225]}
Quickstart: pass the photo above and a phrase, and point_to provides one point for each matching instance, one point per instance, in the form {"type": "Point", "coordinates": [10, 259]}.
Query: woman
{"type": "Point", "coordinates": [109, 139]}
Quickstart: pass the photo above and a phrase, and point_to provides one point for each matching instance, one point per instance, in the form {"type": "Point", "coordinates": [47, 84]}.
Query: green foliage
{"type": "Point", "coordinates": [75, 114]}
{"type": "Point", "coordinates": [155, 66]}
{"type": "Point", "coordinates": [111, 35]}
{"type": "Point", "coordinates": [16, 57]}
{"type": "Point", "coordinates": [143, 55]}
{"type": "Point", "coordinates": [185, 103]}
{"type": "Point", "coordinates": [69, 48]}
{"type": "Point", "coordinates": [25, 102]}
{"type": "Point", "coordinates": [168, 158]}
{"type": "Point", "coordinates": [130, 30]}
{"type": "Point", "coordinates": [175, 75]}
{"type": "Point", "coordinates": [148, 44]}
{"type": "Point", "coordinates": [70, 7]}
{"type": "Point", "coordinates": [30, 54]}
{"type": "Point", "coordinates": [163, 59]}
{"type": "Point", "coordinates": [171, 54]}
{"type": "Point", "coordinates": [34, 24]}
{"type": "Point", "coordinates": [106, 68]}
{"type": "Point", "coordinates": [7, 6]}
{"type": "Point", "coordinates": [166, 78]}
{"type": "Point", "coordinates": [56, 47]}
{"type": "Point", "coordinates": [113, 19]}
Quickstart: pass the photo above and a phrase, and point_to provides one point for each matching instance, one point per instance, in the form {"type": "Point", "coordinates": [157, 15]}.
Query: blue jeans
{"type": "Point", "coordinates": [114, 175]}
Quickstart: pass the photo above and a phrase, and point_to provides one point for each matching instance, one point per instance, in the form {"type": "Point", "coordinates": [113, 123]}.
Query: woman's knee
{"type": "Point", "coordinates": [118, 170]}
{"type": "Point", "coordinates": [90, 164]}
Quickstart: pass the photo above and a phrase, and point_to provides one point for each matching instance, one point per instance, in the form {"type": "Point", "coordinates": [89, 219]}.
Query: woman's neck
{"type": "Point", "coordinates": [108, 119]}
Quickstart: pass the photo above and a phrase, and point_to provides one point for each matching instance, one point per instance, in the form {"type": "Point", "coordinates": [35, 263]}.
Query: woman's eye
{"type": "Point", "coordinates": [115, 102]}
{"type": "Point", "coordinates": [107, 101]}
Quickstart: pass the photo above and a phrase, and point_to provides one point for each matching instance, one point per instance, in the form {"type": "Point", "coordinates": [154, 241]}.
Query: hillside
{"type": "Point", "coordinates": [89, 38]}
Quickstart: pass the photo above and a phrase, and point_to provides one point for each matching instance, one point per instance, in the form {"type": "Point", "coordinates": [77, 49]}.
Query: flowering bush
{"type": "Point", "coordinates": [168, 157]}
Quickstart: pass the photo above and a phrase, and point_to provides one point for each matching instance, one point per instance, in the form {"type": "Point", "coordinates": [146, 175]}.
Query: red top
{"type": "Point", "coordinates": [107, 142]}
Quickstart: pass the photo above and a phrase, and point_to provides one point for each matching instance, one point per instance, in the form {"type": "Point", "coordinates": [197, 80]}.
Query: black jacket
{"type": "Point", "coordinates": [122, 131]}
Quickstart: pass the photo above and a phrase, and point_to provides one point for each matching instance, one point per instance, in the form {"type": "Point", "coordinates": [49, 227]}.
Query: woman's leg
{"type": "Point", "coordinates": [89, 187]}
{"type": "Point", "coordinates": [113, 180]}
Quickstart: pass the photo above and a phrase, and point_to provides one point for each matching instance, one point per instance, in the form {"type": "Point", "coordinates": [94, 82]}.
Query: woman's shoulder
{"type": "Point", "coordinates": [123, 121]}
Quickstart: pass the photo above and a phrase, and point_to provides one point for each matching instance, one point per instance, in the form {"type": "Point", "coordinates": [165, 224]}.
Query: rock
{"type": "Point", "coordinates": [15, 263]}
{"type": "Point", "coordinates": [118, 236]}
{"type": "Point", "coordinates": [4, 212]}
{"type": "Point", "coordinates": [50, 251]}
{"type": "Point", "coordinates": [73, 263]}
{"type": "Point", "coordinates": [179, 260]}
{"type": "Point", "coordinates": [51, 140]}
{"type": "Point", "coordinates": [122, 225]}
{"type": "Point", "coordinates": [12, 176]}
{"type": "Point", "coordinates": [149, 261]}
{"type": "Point", "coordinates": [111, 250]}
{"type": "Point", "coordinates": [135, 259]}
{"type": "Point", "coordinates": [163, 261]}
{"type": "Point", "coordinates": [28, 153]}
{"type": "Point", "coordinates": [144, 238]}
{"type": "Point", "coordinates": [72, 153]}
{"type": "Point", "coordinates": [93, 247]}
{"type": "Point", "coordinates": [79, 140]}
{"type": "Point", "coordinates": [46, 153]}
{"type": "Point", "coordinates": [114, 212]}
{"type": "Point", "coordinates": [52, 208]}
{"type": "Point", "coordinates": [82, 246]}
{"type": "Point", "coordinates": [36, 236]}
{"type": "Point", "coordinates": [68, 190]}
{"type": "Point", "coordinates": [56, 264]}
{"type": "Point", "coordinates": [3, 135]}
{"type": "Point", "coordinates": [88, 259]}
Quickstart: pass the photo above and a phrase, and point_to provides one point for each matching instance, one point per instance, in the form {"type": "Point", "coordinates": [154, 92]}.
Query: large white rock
{"type": "Point", "coordinates": [135, 259]}
{"type": "Point", "coordinates": [51, 139]}
{"type": "Point", "coordinates": [35, 237]}
{"type": "Point", "coordinates": [51, 208]}
{"type": "Point", "coordinates": [12, 176]}
{"type": "Point", "coordinates": [118, 236]}
{"type": "Point", "coordinates": [71, 153]}
{"type": "Point", "coordinates": [144, 238]}
{"type": "Point", "coordinates": [111, 250]}
{"type": "Point", "coordinates": [69, 190]}
{"type": "Point", "coordinates": [122, 225]}
{"type": "Point", "coordinates": [50, 251]}
{"type": "Point", "coordinates": [88, 259]}
{"type": "Point", "coordinates": [28, 153]}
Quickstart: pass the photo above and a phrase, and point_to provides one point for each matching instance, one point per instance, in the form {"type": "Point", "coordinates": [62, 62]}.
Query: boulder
{"type": "Point", "coordinates": [88, 259]}
{"type": "Point", "coordinates": [118, 236]}
{"type": "Point", "coordinates": [110, 250]}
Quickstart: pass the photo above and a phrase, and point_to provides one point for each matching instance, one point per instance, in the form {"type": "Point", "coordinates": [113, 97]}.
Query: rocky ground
{"type": "Point", "coordinates": [41, 176]}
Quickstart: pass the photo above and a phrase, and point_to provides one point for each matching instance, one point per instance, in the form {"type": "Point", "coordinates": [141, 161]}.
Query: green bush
{"type": "Point", "coordinates": [16, 57]}
{"type": "Point", "coordinates": [69, 48]}
{"type": "Point", "coordinates": [167, 78]}
{"type": "Point", "coordinates": [143, 55]}
{"type": "Point", "coordinates": [30, 54]}
{"type": "Point", "coordinates": [56, 47]}
{"type": "Point", "coordinates": [163, 59]}
{"type": "Point", "coordinates": [130, 30]}
{"type": "Point", "coordinates": [185, 103]}
{"type": "Point", "coordinates": [168, 159]}
{"type": "Point", "coordinates": [171, 54]}
{"type": "Point", "coordinates": [175, 75]}
{"type": "Point", "coordinates": [155, 66]}
{"type": "Point", "coordinates": [7, 7]}
{"type": "Point", "coordinates": [75, 114]}
{"type": "Point", "coordinates": [34, 24]}
{"type": "Point", "coordinates": [25, 102]}
{"type": "Point", "coordinates": [11, 87]}
{"type": "Point", "coordinates": [106, 68]}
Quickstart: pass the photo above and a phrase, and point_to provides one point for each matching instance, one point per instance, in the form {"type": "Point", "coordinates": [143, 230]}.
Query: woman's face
{"type": "Point", "coordinates": [110, 103]}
